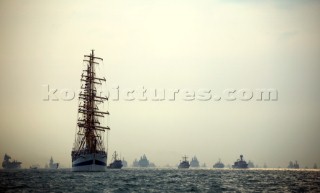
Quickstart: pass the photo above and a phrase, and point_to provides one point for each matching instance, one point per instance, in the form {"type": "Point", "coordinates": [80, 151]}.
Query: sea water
{"type": "Point", "coordinates": [161, 180]}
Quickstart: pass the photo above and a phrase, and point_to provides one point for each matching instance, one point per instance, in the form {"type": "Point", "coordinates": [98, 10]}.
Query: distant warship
{"type": "Point", "coordinates": [250, 164]}
{"type": "Point", "coordinates": [143, 162]}
{"type": "Point", "coordinates": [53, 165]}
{"type": "Point", "coordinates": [116, 163]}
{"type": "Point", "coordinates": [135, 163]}
{"type": "Point", "coordinates": [7, 164]}
{"type": "Point", "coordinates": [184, 164]}
{"type": "Point", "coordinates": [194, 162]}
{"type": "Point", "coordinates": [219, 164]}
{"type": "Point", "coordinates": [240, 164]}
{"type": "Point", "coordinates": [293, 165]}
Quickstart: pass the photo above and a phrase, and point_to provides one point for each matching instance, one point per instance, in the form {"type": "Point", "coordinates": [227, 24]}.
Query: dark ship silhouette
{"type": "Point", "coordinates": [219, 164]}
{"type": "Point", "coordinates": [240, 164]}
{"type": "Point", "coordinates": [117, 163]}
{"type": "Point", "coordinates": [184, 164]}
{"type": "Point", "coordinates": [293, 165]}
{"type": "Point", "coordinates": [7, 164]}
{"type": "Point", "coordinates": [194, 162]}
{"type": "Point", "coordinates": [89, 152]}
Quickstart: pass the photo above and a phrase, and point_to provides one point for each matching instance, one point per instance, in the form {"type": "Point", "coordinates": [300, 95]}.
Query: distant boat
{"type": "Point", "coordinates": [34, 167]}
{"type": "Point", "coordinates": [7, 164]}
{"type": "Point", "coordinates": [251, 164]}
{"type": "Point", "coordinates": [265, 165]}
{"type": "Point", "coordinates": [135, 163]}
{"type": "Point", "coordinates": [240, 164]}
{"type": "Point", "coordinates": [194, 162]}
{"type": "Point", "coordinates": [53, 165]}
{"type": "Point", "coordinates": [116, 163]}
{"type": "Point", "coordinates": [293, 165]}
{"type": "Point", "coordinates": [219, 164]}
{"type": "Point", "coordinates": [184, 164]}
{"type": "Point", "coordinates": [143, 162]}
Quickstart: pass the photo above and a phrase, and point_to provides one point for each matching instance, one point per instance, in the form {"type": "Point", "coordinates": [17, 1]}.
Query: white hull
{"type": "Point", "coordinates": [90, 163]}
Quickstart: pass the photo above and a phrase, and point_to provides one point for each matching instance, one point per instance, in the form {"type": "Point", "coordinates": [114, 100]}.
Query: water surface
{"type": "Point", "coordinates": [160, 180]}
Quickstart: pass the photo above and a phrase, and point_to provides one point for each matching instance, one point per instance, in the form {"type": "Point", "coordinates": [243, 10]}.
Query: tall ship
{"type": "Point", "coordinates": [7, 164]}
{"type": "Point", "coordinates": [143, 162]}
{"type": "Point", "coordinates": [116, 162]}
{"type": "Point", "coordinates": [89, 153]}
{"type": "Point", "coordinates": [194, 162]}
{"type": "Point", "coordinates": [53, 165]}
{"type": "Point", "coordinates": [184, 164]}
{"type": "Point", "coordinates": [218, 164]}
{"type": "Point", "coordinates": [240, 163]}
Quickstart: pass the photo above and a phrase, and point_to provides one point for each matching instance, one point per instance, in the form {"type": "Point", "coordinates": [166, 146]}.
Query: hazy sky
{"type": "Point", "coordinates": [165, 44]}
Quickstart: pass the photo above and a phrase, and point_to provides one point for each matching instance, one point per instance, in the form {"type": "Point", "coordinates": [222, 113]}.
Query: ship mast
{"type": "Point", "coordinates": [89, 127]}
{"type": "Point", "coordinates": [185, 158]}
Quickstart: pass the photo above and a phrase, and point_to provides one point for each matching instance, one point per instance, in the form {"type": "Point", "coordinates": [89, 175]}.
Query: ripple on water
{"type": "Point", "coordinates": [161, 180]}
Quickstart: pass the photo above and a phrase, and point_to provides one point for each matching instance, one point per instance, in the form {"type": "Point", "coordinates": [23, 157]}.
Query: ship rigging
{"type": "Point", "coordinates": [89, 153]}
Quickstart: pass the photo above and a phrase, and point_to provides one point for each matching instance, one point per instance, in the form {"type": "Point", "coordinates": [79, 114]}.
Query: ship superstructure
{"type": "Point", "coordinates": [184, 164]}
{"type": "Point", "coordinates": [293, 165]}
{"type": "Point", "coordinates": [89, 153]}
{"type": "Point", "coordinates": [240, 163]}
{"type": "Point", "coordinates": [218, 164]}
{"type": "Point", "coordinates": [116, 162]}
{"type": "Point", "coordinates": [53, 165]}
{"type": "Point", "coordinates": [194, 162]}
{"type": "Point", "coordinates": [7, 164]}
{"type": "Point", "coordinates": [143, 162]}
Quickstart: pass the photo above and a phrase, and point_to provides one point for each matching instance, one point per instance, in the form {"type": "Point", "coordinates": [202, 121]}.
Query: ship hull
{"type": "Point", "coordinates": [115, 165]}
{"type": "Point", "coordinates": [89, 163]}
{"type": "Point", "coordinates": [11, 165]}
{"type": "Point", "coordinates": [218, 165]}
{"type": "Point", "coordinates": [240, 166]}
{"type": "Point", "coordinates": [237, 167]}
{"type": "Point", "coordinates": [184, 165]}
